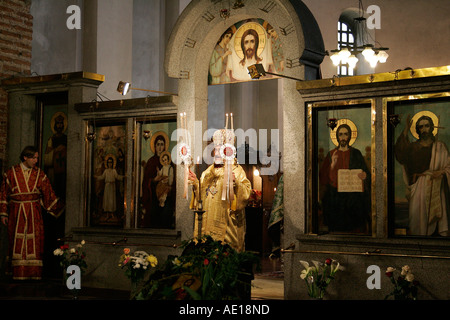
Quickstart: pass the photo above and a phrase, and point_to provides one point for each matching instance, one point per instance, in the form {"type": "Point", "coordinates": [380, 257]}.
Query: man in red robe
{"type": "Point", "coordinates": [25, 188]}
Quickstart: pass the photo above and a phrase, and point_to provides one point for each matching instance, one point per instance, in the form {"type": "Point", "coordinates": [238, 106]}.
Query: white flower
{"type": "Point", "coordinates": [81, 244]}
{"type": "Point", "coordinates": [305, 264]}
{"type": "Point", "coordinates": [72, 250]}
{"type": "Point", "coordinates": [390, 269]}
{"type": "Point", "coordinates": [405, 270]}
{"type": "Point", "coordinates": [409, 277]}
{"type": "Point", "coordinates": [58, 252]}
{"type": "Point", "coordinates": [336, 268]}
{"type": "Point", "coordinates": [305, 273]}
{"type": "Point", "coordinates": [176, 262]}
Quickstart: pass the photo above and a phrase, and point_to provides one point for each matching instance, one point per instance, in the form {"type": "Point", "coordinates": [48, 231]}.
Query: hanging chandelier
{"type": "Point", "coordinates": [348, 55]}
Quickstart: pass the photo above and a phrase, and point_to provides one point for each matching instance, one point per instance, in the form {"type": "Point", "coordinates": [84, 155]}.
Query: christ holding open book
{"type": "Point", "coordinates": [345, 209]}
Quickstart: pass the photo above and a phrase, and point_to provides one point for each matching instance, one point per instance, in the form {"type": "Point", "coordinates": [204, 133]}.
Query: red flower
{"type": "Point", "coordinates": [206, 262]}
{"type": "Point", "coordinates": [389, 274]}
{"type": "Point", "coordinates": [64, 247]}
{"type": "Point", "coordinates": [328, 261]}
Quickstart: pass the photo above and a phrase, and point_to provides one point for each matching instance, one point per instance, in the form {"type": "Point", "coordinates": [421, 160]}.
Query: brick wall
{"type": "Point", "coordinates": [16, 30]}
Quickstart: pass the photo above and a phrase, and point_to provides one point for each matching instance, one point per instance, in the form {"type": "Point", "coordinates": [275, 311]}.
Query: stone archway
{"type": "Point", "coordinates": [187, 58]}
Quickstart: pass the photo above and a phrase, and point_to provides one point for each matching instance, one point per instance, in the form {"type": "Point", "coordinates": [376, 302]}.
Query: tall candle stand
{"type": "Point", "coordinates": [199, 213]}
{"type": "Point", "coordinates": [199, 210]}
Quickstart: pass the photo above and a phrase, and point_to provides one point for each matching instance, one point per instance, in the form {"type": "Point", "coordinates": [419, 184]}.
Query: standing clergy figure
{"type": "Point", "coordinates": [224, 219]}
{"type": "Point", "coordinates": [25, 188]}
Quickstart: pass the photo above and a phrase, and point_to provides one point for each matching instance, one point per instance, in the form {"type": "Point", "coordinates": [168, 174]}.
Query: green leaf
{"type": "Point", "coordinates": [195, 295]}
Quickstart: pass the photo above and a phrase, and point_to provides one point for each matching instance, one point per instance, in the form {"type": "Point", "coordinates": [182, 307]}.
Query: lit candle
{"type": "Point", "coordinates": [199, 178]}
{"type": "Point", "coordinates": [231, 119]}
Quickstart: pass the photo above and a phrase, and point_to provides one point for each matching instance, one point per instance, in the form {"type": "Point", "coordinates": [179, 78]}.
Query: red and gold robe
{"type": "Point", "coordinates": [22, 194]}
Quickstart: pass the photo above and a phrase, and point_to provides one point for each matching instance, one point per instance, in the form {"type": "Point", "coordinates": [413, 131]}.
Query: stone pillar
{"type": "Point", "coordinates": [193, 101]}
{"type": "Point", "coordinates": [294, 176]}
{"type": "Point", "coordinates": [76, 165]}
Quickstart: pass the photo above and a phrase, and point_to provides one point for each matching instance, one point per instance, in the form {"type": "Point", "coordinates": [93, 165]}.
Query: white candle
{"type": "Point", "coordinates": [231, 116]}
{"type": "Point", "coordinates": [199, 178]}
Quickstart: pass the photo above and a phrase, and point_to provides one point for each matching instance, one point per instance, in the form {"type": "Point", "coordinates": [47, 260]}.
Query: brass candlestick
{"type": "Point", "coordinates": [199, 210]}
{"type": "Point", "coordinates": [199, 213]}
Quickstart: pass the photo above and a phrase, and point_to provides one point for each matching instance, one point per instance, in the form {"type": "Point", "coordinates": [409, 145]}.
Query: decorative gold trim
{"type": "Point", "coordinates": [385, 177]}
{"type": "Point", "coordinates": [53, 77]}
{"type": "Point", "coordinates": [309, 169]}
{"type": "Point", "coordinates": [368, 254]}
{"type": "Point", "coordinates": [26, 278]}
{"type": "Point", "coordinates": [418, 96]}
{"type": "Point", "coordinates": [374, 78]}
{"type": "Point", "coordinates": [137, 130]}
{"type": "Point", "coordinates": [372, 169]}
{"type": "Point", "coordinates": [35, 263]}
{"type": "Point", "coordinates": [52, 204]}
{"type": "Point", "coordinates": [87, 166]}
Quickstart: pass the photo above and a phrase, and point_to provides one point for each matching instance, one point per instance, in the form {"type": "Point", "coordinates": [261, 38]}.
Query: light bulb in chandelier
{"type": "Point", "coordinates": [368, 53]}
{"type": "Point", "coordinates": [335, 58]}
{"type": "Point", "coordinates": [373, 61]}
{"type": "Point", "coordinates": [382, 56]}
{"type": "Point", "coordinates": [344, 54]}
{"type": "Point", "coordinates": [352, 61]}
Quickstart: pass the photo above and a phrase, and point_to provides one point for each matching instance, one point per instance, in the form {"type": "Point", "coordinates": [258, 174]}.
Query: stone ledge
{"type": "Point", "coordinates": [129, 237]}
{"type": "Point", "coordinates": [362, 244]}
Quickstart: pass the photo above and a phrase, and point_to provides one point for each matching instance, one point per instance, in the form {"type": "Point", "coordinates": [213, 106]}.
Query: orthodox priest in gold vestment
{"type": "Point", "coordinates": [24, 190]}
{"type": "Point", "coordinates": [224, 193]}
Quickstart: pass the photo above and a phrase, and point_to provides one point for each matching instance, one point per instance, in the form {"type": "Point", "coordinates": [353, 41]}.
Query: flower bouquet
{"type": "Point", "coordinates": [136, 265]}
{"type": "Point", "coordinates": [206, 270]}
{"type": "Point", "coordinates": [319, 276]}
{"type": "Point", "coordinates": [405, 287]}
{"type": "Point", "coordinates": [72, 256]}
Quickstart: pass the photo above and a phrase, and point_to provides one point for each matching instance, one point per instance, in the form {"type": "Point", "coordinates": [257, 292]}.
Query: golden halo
{"type": "Point", "coordinates": [417, 116]}
{"type": "Point", "coordinates": [110, 155]}
{"type": "Point", "coordinates": [53, 120]}
{"type": "Point", "coordinates": [163, 154]}
{"type": "Point", "coordinates": [352, 126]}
{"type": "Point", "coordinates": [156, 135]}
{"type": "Point", "coordinates": [261, 34]}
